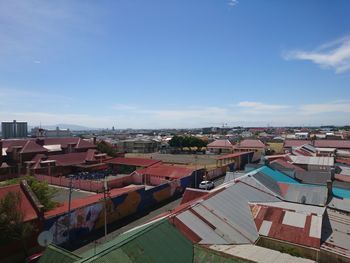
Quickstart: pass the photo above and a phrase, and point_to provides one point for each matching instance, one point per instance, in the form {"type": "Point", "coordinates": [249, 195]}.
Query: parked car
{"type": "Point", "coordinates": [206, 185]}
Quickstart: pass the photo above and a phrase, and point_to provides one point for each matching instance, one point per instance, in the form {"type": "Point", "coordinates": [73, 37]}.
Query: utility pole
{"type": "Point", "coordinates": [69, 204]}
{"type": "Point", "coordinates": [105, 193]}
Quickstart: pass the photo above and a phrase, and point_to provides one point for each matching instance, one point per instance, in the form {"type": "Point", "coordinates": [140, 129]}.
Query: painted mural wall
{"type": "Point", "coordinates": [86, 219]}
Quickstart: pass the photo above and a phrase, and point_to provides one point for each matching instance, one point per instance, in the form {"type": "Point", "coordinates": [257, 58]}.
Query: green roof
{"type": "Point", "coordinates": [156, 242]}
{"type": "Point", "coordinates": [59, 255]}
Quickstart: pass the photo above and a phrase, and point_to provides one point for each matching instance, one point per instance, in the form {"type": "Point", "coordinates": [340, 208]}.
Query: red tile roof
{"type": "Point", "coordinates": [32, 147]}
{"type": "Point", "coordinates": [340, 144]}
{"type": "Point", "coordinates": [79, 143]}
{"type": "Point", "coordinates": [133, 161]}
{"type": "Point", "coordinates": [250, 143]}
{"type": "Point", "coordinates": [70, 158]}
{"type": "Point", "coordinates": [295, 143]}
{"type": "Point", "coordinates": [162, 170]}
{"type": "Point", "coordinates": [87, 200]}
{"type": "Point", "coordinates": [83, 144]}
{"type": "Point", "coordinates": [26, 206]}
{"type": "Point", "coordinates": [220, 144]}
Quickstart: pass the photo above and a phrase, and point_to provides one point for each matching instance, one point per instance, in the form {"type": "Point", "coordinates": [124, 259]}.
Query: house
{"type": "Point", "coordinates": [220, 147]}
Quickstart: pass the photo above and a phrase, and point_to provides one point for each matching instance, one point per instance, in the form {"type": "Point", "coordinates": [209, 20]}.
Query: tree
{"type": "Point", "coordinates": [41, 189]}
{"type": "Point", "coordinates": [187, 141]}
{"type": "Point", "coordinates": [12, 225]}
{"type": "Point", "coordinates": [43, 192]}
{"type": "Point", "coordinates": [106, 148]}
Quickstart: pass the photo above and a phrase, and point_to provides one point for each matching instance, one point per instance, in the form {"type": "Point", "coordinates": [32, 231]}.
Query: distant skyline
{"type": "Point", "coordinates": [175, 64]}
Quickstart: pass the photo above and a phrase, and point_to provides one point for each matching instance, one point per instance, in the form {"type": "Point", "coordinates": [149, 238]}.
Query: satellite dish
{"type": "Point", "coordinates": [45, 238]}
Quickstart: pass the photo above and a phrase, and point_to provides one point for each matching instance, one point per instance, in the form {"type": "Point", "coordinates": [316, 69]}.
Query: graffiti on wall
{"type": "Point", "coordinates": [83, 220]}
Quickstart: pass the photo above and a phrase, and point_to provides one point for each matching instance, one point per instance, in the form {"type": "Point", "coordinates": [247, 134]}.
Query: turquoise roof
{"type": "Point", "coordinates": [340, 192]}
{"type": "Point", "coordinates": [276, 175]}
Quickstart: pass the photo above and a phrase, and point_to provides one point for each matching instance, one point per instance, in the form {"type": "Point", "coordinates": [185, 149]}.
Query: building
{"type": "Point", "coordinates": [39, 132]}
{"type": "Point", "coordinates": [138, 145]}
{"type": "Point", "coordinates": [220, 146]}
{"type": "Point", "coordinates": [14, 129]}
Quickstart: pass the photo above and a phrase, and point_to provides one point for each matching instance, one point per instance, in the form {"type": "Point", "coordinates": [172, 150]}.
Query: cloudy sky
{"type": "Point", "coordinates": [183, 63]}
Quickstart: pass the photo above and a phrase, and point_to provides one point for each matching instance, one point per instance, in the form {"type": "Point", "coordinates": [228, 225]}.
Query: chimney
{"type": "Point", "coordinates": [94, 140]}
{"type": "Point", "coordinates": [40, 141]}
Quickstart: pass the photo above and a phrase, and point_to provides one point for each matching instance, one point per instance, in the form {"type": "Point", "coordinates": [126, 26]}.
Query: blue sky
{"type": "Point", "coordinates": [160, 64]}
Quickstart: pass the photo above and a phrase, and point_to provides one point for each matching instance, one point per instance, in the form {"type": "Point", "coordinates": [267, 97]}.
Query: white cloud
{"type": "Point", "coordinates": [37, 61]}
{"type": "Point", "coordinates": [340, 107]}
{"type": "Point", "coordinates": [259, 106]}
{"type": "Point", "coordinates": [334, 55]}
{"type": "Point", "coordinates": [233, 2]}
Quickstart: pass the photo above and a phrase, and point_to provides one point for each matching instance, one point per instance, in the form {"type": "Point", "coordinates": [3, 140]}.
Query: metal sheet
{"type": "Point", "coordinates": [196, 225]}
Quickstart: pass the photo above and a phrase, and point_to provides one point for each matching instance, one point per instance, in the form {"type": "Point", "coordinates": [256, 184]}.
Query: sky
{"type": "Point", "coordinates": [175, 63]}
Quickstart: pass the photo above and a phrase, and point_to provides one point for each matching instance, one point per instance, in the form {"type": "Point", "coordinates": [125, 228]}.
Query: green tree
{"type": "Point", "coordinates": [12, 225]}
{"type": "Point", "coordinates": [187, 141]}
{"type": "Point", "coordinates": [41, 189]}
{"type": "Point", "coordinates": [106, 148]}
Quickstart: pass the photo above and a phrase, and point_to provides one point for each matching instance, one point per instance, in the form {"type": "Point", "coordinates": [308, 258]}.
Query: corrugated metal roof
{"type": "Point", "coordinates": [340, 204]}
{"type": "Point", "coordinates": [305, 194]}
{"type": "Point", "coordinates": [275, 174]}
{"type": "Point", "coordinates": [312, 160]}
{"type": "Point", "coordinates": [156, 242]}
{"type": "Point", "coordinates": [342, 144]}
{"type": "Point", "coordinates": [336, 233]}
{"type": "Point", "coordinates": [299, 225]}
{"type": "Point", "coordinates": [228, 214]}
{"type": "Point", "coordinates": [54, 254]}
{"type": "Point", "coordinates": [294, 143]}
{"type": "Point", "coordinates": [313, 177]}
{"type": "Point", "coordinates": [258, 254]}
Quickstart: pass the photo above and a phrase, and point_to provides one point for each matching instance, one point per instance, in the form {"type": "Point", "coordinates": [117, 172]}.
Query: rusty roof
{"type": "Point", "coordinates": [296, 224]}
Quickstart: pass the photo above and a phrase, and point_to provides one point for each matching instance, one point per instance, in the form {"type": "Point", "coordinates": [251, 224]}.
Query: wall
{"type": "Point", "coordinates": [289, 248]}
{"type": "Point", "coordinates": [202, 254]}
{"type": "Point", "coordinates": [326, 257]}
{"type": "Point", "coordinates": [89, 218]}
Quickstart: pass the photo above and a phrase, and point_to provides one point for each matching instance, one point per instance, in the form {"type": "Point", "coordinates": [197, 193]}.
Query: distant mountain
{"type": "Point", "coordinates": [72, 127]}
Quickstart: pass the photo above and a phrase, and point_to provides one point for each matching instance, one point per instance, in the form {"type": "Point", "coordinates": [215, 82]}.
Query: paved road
{"type": "Point", "coordinates": [62, 194]}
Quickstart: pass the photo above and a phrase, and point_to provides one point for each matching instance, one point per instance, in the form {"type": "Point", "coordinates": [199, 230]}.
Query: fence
{"type": "Point", "coordinates": [87, 185]}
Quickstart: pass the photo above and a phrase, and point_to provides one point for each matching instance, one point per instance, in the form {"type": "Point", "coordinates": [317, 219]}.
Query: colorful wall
{"type": "Point", "coordinates": [89, 218]}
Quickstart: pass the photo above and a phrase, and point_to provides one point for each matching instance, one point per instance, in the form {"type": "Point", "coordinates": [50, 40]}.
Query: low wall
{"type": "Point", "coordinates": [289, 248]}
{"type": "Point", "coordinates": [87, 185]}
{"type": "Point", "coordinates": [327, 256]}
{"type": "Point", "coordinates": [89, 218]}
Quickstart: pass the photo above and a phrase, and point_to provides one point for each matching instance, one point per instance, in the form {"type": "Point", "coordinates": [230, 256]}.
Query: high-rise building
{"type": "Point", "coordinates": [14, 129]}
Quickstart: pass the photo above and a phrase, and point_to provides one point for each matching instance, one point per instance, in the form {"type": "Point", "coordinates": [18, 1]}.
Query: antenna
{"type": "Point", "coordinates": [45, 238]}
